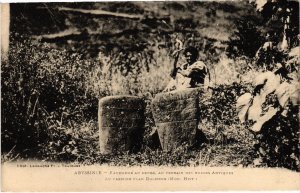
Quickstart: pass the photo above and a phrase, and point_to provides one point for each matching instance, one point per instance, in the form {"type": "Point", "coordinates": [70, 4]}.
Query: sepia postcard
{"type": "Point", "coordinates": [150, 96]}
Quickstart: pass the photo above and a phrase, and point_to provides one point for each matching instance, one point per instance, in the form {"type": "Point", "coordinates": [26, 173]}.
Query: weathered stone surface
{"type": "Point", "coordinates": [122, 102]}
{"type": "Point", "coordinates": [177, 95]}
{"type": "Point", "coordinates": [176, 116]}
{"type": "Point", "coordinates": [174, 134]}
{"type": "Point", "coordinates": [179, 114]}
{"type": "Point", "coordinates": [121, 124]}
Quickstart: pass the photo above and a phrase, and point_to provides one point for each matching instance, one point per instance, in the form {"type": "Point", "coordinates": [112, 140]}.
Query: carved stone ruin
{"type": "Point", "coordinates": [121, 124]}
{"type": "Point", "coordinates": [176, 116]}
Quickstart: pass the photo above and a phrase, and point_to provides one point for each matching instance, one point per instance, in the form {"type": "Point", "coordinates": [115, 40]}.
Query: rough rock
{"type": "Point", "coordinates": [121, 124]}
{"type": "Point", "coordinates": [176, 116]}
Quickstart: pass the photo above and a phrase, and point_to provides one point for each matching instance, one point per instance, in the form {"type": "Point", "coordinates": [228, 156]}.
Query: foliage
{"type": "Point", "coordinates": [266, 26]}
{"type": "Point", "coordinates": [268, 57]}
{"type": "Point", "coordinates": [273, 109]}
{"type": "Point", "coordinates": [247, 37]}
{"type": "Point", "coordinates": [275, 14]}
{"type": "Point", "coordinates": [88, 34]}
{"type": "Point", "coordinates": [41, 88]}
{"type": "Point", "coordinates": [220, 125]}
{"type": "Point", "coordinates": [278, 142]}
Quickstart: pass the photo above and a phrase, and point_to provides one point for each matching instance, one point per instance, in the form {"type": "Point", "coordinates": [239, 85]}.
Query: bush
{"type": "Point", "coordinates": [271, 110]}
{"type": "Point", "coordinates": [277, 144]}
{"type": "Point", "coordinates": [247, 38]}
{"type": "Point", "coordinates": [41, 87]}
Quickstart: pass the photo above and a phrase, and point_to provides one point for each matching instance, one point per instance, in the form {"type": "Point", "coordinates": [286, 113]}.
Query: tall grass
{"type": "Point", "coordinates": [238, 70]}
{"type": "Point", "coordinates": [109, 78]}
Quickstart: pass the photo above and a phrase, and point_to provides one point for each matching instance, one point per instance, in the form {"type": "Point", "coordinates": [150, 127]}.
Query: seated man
{"type": "Point", "coordinates": [190, 74]}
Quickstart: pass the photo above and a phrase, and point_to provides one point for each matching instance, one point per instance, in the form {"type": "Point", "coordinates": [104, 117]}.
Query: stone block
{"type": "Point", "coordinates": [121, 124]}
{"type": "Point", "coordinates": [176, 116]}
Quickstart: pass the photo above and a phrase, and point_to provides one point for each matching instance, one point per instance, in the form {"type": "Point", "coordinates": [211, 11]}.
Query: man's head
{"type": "Point", "coordinates": [191, 54]}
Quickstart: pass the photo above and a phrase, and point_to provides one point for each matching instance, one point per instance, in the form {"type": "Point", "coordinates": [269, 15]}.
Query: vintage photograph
{"type": "Point", "coordinates": [151, 83]}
